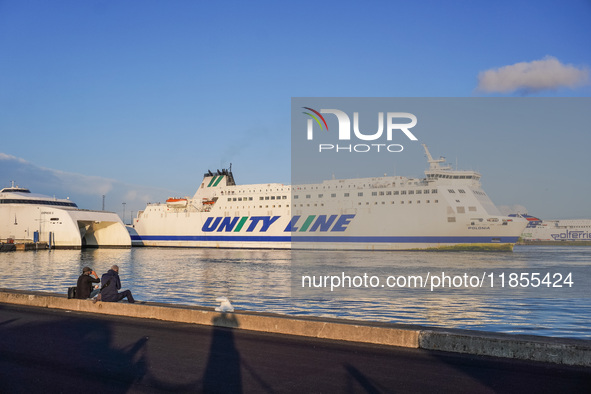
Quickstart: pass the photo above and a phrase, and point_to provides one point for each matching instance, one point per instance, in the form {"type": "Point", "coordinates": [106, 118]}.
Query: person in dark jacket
{"type": "Point", "coordinates": [111, 284]}
{"type": "Point", "coordinates": [85, 281]}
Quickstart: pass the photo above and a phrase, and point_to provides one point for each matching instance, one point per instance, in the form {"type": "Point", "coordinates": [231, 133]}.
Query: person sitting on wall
{"type": "Point", "coordinates": [85, 281]}
{"type": "Point", "coordinates": [111, 284]}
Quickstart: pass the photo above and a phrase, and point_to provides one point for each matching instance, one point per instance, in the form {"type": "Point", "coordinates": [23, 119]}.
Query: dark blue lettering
{"type": "Point", "coordinates": [267, 221]}
{"type": "Point", "coordinates": [228, 223]}
{"type": "Point", "coordinates": [208, 227]}
{"type": "Point", "coordinates": [342, 223]}
{"type": "Point", "coordinates": [253, 223]}
{"type": "Point", "coordinates": [291, 226]}
{"type": "Point", "coordinates": [323, 223]}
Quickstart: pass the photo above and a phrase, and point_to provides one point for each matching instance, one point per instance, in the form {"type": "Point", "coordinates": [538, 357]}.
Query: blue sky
{"type": "Point", "coordinates": [137, 99]}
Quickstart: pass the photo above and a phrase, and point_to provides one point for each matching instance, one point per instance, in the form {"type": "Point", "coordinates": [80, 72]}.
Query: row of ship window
{"type": "Point", "coordinates": [383, 203]}
{"type": "Point", "coordinates": [260, 198]}
{"type": "Point", "coordinates": [435, 176]}
{"type": "Point", "coordinates": [227, 192]}
{"type": "Point", "coordinates": [359, 194]}
{"type": "Point", "coordinates": [38, 202]}
{"type": "Point", "coordinates": [315, 205]}
{"type": "Point", "coordinates": [358, 186]}
{"type": "Point", "coordinates": [252, 207]}
{"type": "Point", "coordinates": [374, 194]}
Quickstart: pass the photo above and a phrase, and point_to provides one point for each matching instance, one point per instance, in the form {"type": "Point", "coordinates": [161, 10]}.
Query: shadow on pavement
{"type": "Point", "coordinates": [67, 355]}
{"type": "Point", "coordinates": [223, 370]}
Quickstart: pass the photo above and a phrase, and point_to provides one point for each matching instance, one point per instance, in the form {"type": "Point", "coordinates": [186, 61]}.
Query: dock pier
{"type": "Point", "coordinates": [157, 347]}
{"type": "Point", "coordinates": [22, 246]}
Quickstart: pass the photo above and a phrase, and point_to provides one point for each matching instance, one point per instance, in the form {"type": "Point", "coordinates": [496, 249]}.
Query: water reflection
{"type": "Point", "coordinates": [262, 281]}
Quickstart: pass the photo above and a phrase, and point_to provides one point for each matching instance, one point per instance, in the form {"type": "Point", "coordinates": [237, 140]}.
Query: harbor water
{"type": "Point", "coordinates": [262, 280]}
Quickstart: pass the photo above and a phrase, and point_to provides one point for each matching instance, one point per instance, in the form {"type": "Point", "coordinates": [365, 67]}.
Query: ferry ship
{"type": "Point", "coordinates": [445, 210]}
{"type": "Point", "coordinates": [27, 217]}
{"type": "Point", "coordinates": [575, 230]}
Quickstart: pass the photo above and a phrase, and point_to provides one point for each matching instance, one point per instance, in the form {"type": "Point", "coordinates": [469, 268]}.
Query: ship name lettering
{"type": "Point", "coordinates": [577, 234]}
{"type": "Point", "coordinates": [235, 224]}
{"type": "Point", "coordinates": [323, 223]}
{"type": "Point", "coordinates": [267, 221]}
{"type": "Point", "coordinates": [310, 223]}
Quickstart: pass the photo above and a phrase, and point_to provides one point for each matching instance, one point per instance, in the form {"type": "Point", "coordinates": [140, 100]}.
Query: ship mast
{"type": "Point", "coordinates": [434, 163]}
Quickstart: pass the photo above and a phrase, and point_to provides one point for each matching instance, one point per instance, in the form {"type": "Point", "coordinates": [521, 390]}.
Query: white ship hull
{"type": "Point", "coordinates": [445, 210]}
{"type": "Point", "coordinates": [572, 230]}
{"type": "Point", "coordinates": [27, 218]}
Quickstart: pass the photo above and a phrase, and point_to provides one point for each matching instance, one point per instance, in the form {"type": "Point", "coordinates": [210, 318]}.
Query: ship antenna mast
{"type": "Point", "coordinates": [434, 163]}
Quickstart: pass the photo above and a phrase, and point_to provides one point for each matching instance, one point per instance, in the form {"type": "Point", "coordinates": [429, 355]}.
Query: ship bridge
{"type": "Point", "coordinates": [437, 170]}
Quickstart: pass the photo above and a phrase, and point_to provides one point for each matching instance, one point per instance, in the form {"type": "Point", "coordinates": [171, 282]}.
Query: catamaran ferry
{"type": "Point", "coordinates": [27, 217]}
{"type": "Point", "coordinates": [445, 210]}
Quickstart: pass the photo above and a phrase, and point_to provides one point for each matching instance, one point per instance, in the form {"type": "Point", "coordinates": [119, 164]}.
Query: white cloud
{"type": "Point", "coordinates": [530, 77]}
{"type": "Point", "coordinates": [85, 190]}
{"type": "Point", "coordinates": [4, 156]}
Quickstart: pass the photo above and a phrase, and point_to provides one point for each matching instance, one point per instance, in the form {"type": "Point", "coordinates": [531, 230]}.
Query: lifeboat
{"type": "Point", "coordinates": [176, 202]}
{"type": "Point", "coordinates": [207, 201]}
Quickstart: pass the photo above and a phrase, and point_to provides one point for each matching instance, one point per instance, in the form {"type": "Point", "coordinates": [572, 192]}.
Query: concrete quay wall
{"type": "Point", "coordinates": [524, 347]}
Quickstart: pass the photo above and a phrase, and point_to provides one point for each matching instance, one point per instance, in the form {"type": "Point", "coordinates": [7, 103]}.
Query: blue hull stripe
{"type": "Point", "coordinates": [226, 238]}
{"type": "Point", "coordinates": [335, 239]}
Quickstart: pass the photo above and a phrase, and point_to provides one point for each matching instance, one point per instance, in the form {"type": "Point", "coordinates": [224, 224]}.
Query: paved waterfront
{"type": "Point", "coordinates": [51, 350]}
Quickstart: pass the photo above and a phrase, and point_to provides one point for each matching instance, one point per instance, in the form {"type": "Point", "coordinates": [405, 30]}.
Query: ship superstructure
{"type": "Point", "coordinates": [445, 210]}
{"type": "Point", "coordinates": [30, 217]}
